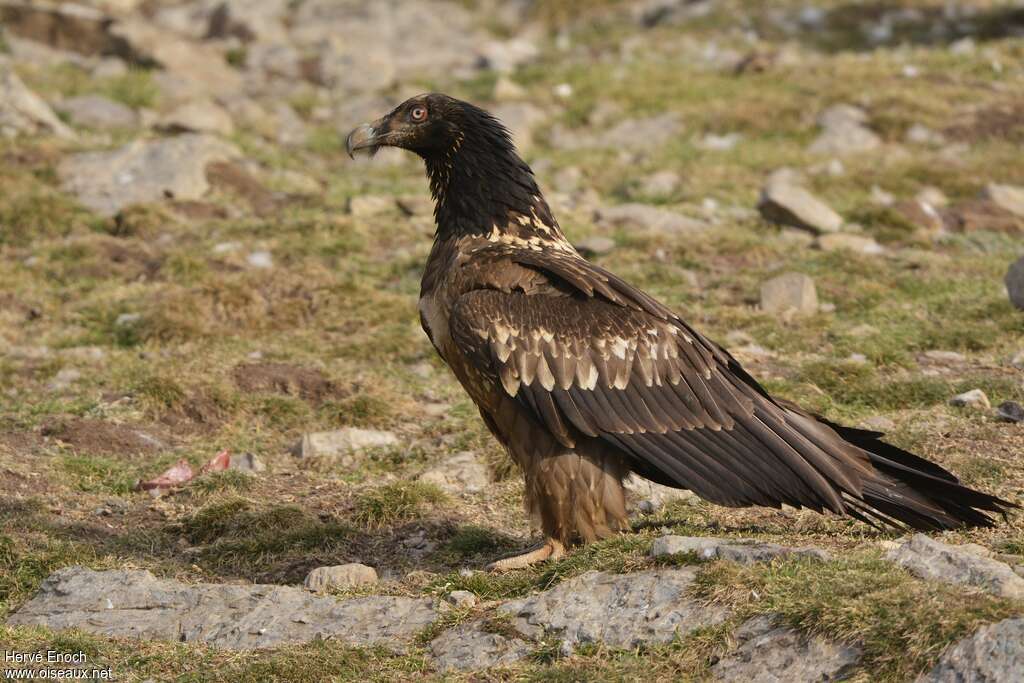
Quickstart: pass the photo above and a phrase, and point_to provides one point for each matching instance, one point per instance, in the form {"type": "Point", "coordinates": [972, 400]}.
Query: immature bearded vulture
{"type": "Point", "coordinates": [584, 378]}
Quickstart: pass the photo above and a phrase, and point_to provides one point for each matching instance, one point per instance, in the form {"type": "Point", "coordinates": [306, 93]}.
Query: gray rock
{"type": "Point", "coordinates": [770, 654]}
{"type": "Point", "coordinates": [743, 551]}
{"type": "Point", "coordinates": [660, 184]}
{"type": "Point", "coordinates": [343, 444]}
{"type": "Point", "coordinates": [786, 203]}
{"type": "Point", "coordinates": [462, 599]}
{"type": "Point", "coordinates": [844, 241]}
{"type": "Point", "coordinates": [322, 579]}
{"type": "Point", "coordinates": [135, 604]}
{"type": "Point", "coordinates": [621, 610]}
{"type": "Point", "coordinates": [247, 462]}
{"type": "Point", "coordinates": [143, 171]}
{"type": "Point", "coordinates": [993, 654]}
{"type": "Point", "coordinates": [790, 291]}
{"type": "Point", "coordinates": [1007, 197]}
{"type": "Point", "coordinates": [932, 559]}
{"type": "Point", "coordinates": [654, 496]}
{"type": "Point", "coordinates": [1015, 283]}
{"type": "Point", "coordinates": [632, 216]}
{"type": "Point", "coordinates": [198, 116]}
{"type": "Point", "coordinates": [505, 56]}
{"type": "Point", "coordinates": [462, 472]}
{"type": "Point", "coordinates": [595, 245]}
{"type": "Point", "coordinates": [646, 133]}
{"type": "Point", "coordinates": [1010, 411]}
{"type": "Point", "coordinates": [190, 69]}
{"type": "Point", "coordinates": [260, 259]}
{"type": "Point", "coordinates": [521, 119]}
{"type": "Point", "coordinates": [975, 398]}
{"type": "Point", "coordinates": [98, 112]}
{"type": "Point", "coordinates": [22, 112]}
{"type": "Point", "coordinates": [719, 143]}
{"type": "Point", "coordinates": [469, 647]}
{"type": "Point", "coordinates": [844, 132]}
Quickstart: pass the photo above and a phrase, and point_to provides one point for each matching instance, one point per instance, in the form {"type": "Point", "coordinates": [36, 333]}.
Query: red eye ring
{"type": "Point", "coordinates": [418, 114]}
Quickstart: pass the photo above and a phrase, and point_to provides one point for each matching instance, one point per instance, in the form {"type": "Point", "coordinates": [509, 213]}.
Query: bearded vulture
{"type": "Point", "coordinates": [585, 378]}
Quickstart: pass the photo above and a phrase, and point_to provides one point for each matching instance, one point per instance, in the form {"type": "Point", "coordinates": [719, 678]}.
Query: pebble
{"type": "Point", "coordinates": [323, 579]}
{"type": "Point", "coordinates": [790, 291]}
{"type": "Point", "coordinates": [975, 398]}
{"type": "Point", "coordinates": [1010, 411]}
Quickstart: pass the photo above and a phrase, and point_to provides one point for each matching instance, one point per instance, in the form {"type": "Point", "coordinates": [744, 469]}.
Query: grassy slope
{"type": "Point", "coordinates": [341, 299]}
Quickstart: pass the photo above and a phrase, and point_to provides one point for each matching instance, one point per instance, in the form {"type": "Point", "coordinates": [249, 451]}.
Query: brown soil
{"type": "Point", "coordinates": [97, 436]}
{"type": "Point", "coordinates": [283, 378]}
{"type": "Point", "coordinates": [1004, 121]}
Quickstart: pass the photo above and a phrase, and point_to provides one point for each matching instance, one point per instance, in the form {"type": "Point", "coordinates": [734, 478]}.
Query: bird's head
{"type": "Point", "coordinates": [431, 125]}
{"type": "Point", "coordinates": [476, 177]}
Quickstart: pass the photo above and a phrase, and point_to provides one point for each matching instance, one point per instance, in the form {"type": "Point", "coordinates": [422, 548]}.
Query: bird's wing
{"type": "Point", "coordinates": [612, 363]}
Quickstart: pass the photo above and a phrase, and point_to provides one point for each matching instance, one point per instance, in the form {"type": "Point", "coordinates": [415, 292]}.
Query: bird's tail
{"type": "Point", "coordinates": [907, 490]}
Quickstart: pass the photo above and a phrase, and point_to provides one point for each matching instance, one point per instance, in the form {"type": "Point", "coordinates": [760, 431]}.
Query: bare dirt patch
{"type": "Point", "coordinates": [1002, 122]}
{"type": "Point", "coordinates": [97, 436]}
{"type": "Point", "coordinates": [283, 378]}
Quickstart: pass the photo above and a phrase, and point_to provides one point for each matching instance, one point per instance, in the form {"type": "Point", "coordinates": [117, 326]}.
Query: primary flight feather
{"type": "Point", "coordinates": [585, 378]}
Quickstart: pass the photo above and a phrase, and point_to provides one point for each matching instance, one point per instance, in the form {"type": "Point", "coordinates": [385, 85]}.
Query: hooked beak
{"type": "Point", "coordinates": [363, 137]}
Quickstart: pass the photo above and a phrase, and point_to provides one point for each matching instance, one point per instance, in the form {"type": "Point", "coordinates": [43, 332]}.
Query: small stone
{"type": "Point", "coordinates": [933, 196]}
{"type": "Point", "coordinates": [654, 496]}
{"type": "Point", "coordinates": [993, 653]}
{"type": "Point", "coordinates": [881, 197]}
{"type": "Point", "coordinates": [929, 558]}
{"type": "Point", "coordinates": [878, 423]}
{"type": "Point", "coordinates": [64, 379]}
{"type": "Point", "coordinates": [199, 116]}
{"type": "Point", "coordinates": [786, 203]}
{"type": "Point", "coordinates": [920, 214]}
{"type": "Point", "coordinates": [844, 241]}
{"type": "Point", "coordinates": [647, 217]}
{"type": "Point", "coordinates": [1015, 283]}
{"type": "Point", "coordinates": [918, 134]}
{"type": "Point", "coordinates": [462, 599]}
{"type": "Point", "coordinates": [344, 442]}
{"type": "Point", "coordinates": [595, 245]}
{"type": "Point", "coordinates": [461, 473]}
{"type": "Point", "coordinates": [947, 357]}
{"type": "Point", "coordinates": [127, 319]}
{"type": "Point", "coordinates": [247, 462]}
{"type": "Point", "coordinates": [743, 551]}
{"type": "Point", "coordinates": [719, 143]}
{"type": "Point", "coordinates": [1018, 360]}
{"type": "Point", "coordinates": [507, 90]}
{"type": "Point", "coordinates": [260, 259]}
{"type": "Point", "coordinates": [660, 185]}
{"type": "Point", "coordinates": [366, 206]}
{"type": "Point", "coordinates": [1008, 197]}
{"type": "Point", "coordinates": [97, 112]}
{"type": "Point", "coordinates": [1010, 411]}
{"type": "Point", "coordinates": [323, 579]}
{"type": "Point", "coordinates": [975, 398]}
{"type": "Point", "coordinates": [791, 291]}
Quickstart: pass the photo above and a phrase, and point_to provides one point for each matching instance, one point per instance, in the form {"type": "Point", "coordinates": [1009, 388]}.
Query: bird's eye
{"type": "Point", "coordinates": [418, 114]}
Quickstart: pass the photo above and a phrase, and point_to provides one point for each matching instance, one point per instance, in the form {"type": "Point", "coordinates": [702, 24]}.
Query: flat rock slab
{"type": "Point", "coordinates": [744, 551]}
{"type": "Point", "coordinates": [621, 610]}
{"type": "Point", "coordinates": [136, 604]}
{"type": "Point", "coordinates": [143, 171]}
{"type": "Point", "coordinates": [995, 653]}
{"type": "Point", "coordinates": [771, 654]}
{"type": "Point", "coordinates": [469, 647]}
{"type": "Point", "coordinates": [931, 559]}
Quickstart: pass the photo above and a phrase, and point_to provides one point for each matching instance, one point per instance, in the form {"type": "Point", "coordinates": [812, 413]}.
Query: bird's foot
{"type": "Point", "coordinates": [549, 550]}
